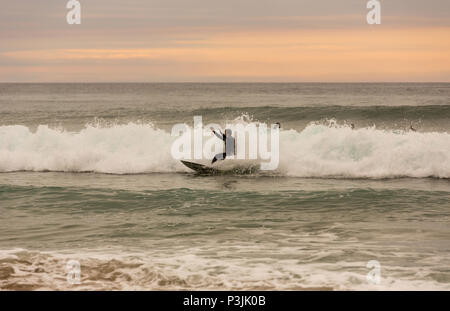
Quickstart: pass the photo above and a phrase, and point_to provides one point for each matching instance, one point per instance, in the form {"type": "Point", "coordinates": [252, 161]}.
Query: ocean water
{"type": "Point", "coordinates": [86, 174]}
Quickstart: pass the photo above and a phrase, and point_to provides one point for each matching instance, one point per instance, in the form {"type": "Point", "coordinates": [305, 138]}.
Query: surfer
{"type": "Point", "coordinates": [229, 145]}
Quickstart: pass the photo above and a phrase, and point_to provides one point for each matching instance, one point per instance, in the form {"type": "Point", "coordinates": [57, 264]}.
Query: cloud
{"type": "Point", "coordinates": [81, 54]}
{"type": "Point", "coordinates": [294, 55]}
{"type": "Point", "coordinates": [203, 40]}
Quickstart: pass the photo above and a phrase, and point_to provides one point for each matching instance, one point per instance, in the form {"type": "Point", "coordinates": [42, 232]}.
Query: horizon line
{"type": "Point", "coordinates": [222, 82]}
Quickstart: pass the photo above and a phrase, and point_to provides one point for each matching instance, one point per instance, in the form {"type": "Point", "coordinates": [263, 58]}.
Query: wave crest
{"type": "Point", "coordinates": [317, 151]}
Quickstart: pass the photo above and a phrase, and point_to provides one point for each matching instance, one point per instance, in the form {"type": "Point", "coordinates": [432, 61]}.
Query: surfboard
{"type": "Point", "coordinates": [200, 168]}
{"type": "Point", "coordinates": [207, 170]}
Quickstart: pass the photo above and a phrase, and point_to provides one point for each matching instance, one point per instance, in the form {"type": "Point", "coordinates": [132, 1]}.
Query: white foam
{"type": "Point", "coordinates": [120, 149]}
{"type": "Point", "coordinates": [317, 151]}
{"type": "Point", "coordinates": [320, 151]}
{"type": "Point", "coordinates": [187, 270]}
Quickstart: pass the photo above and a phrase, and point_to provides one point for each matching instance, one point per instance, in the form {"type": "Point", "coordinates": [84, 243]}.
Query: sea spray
{"type": "Point", "coordinates": [317, 151]}
{"type": "Point", "coordinates": [339, 151]}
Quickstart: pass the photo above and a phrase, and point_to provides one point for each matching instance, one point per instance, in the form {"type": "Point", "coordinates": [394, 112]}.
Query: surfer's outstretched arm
{"type": "Point", "coordinates": [220, 136]}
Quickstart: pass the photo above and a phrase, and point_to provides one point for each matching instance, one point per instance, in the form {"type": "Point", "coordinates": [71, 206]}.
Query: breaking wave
{"type": "Point", "coordinates": [320, 150]}
{"type": "Point", "coordinates": [22, 269]}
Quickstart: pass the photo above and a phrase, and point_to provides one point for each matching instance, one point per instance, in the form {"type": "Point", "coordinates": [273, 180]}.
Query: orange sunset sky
{"type": "Point", "coordinates": [212, 41]}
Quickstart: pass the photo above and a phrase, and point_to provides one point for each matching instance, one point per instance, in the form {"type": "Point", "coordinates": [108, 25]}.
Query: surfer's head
{"type": "Point", "coordinates": [228, 132]}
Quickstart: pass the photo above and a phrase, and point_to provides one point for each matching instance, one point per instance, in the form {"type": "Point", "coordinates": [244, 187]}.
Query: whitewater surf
{"type": "Point", "coordinates": [319, 150]}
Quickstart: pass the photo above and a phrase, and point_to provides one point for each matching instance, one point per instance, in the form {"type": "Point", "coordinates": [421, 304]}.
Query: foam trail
{"type": "Point", "coordinates": [317, 151]}
{"type": "Point", "coordinates": [120, 149]}
{"type": "Point", "coordinates": [339, 151]}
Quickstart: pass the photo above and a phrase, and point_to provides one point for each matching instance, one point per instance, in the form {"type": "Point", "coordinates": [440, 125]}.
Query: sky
{"type": "Point", "coordinates": [225, 41]}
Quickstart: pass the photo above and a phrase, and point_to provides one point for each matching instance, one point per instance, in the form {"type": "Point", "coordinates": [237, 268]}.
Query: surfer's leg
{"type": "Point", "coordinates": [219, 156]}
{"type": "Point", "coordinates": [216, 157]}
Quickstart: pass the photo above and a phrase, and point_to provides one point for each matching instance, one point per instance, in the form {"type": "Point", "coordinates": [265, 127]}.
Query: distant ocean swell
{"type": "Point", "coordinates": [372, 113]}
{"type": "Point", "coordinates": [434, 117]}
{"type": "Point", "coordinates": [316, 151]}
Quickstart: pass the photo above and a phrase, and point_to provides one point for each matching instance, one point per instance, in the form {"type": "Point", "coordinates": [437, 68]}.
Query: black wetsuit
{"type": "Point", "coordinates": [229, 146]}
